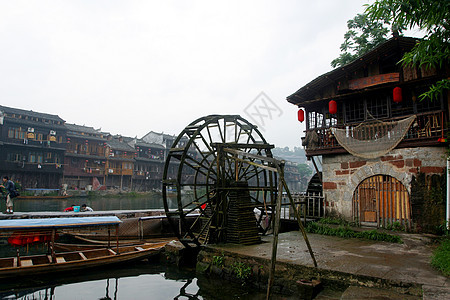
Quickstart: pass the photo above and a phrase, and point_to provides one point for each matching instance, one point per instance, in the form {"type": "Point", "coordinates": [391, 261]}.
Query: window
{"type": "Point", "coordinates": [355, 111]}
{"type": "Point", "coordinates": [14, 156]}
{"type": "Point", "coordinates": [377, 106]}
{"type": "Point", "coordinates": [11, 132]}
{"type": "Point", "coordinates": [312, 121]}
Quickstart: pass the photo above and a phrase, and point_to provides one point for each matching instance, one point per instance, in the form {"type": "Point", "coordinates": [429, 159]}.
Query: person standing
{"type": "Point", "coordinates": [10, 188]}
{"type": "Point", "coordinates": [84, 207]}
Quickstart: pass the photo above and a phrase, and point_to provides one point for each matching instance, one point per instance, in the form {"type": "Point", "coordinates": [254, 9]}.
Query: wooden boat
{"type": "Point", "coordinates": [42, 197]}
{"type": "Point", "coordinates": [95, 244]}
{"type": "Point", "coordinates": [33, 230]}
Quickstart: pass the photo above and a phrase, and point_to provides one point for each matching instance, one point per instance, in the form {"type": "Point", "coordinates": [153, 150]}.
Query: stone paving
{"type": "Point", "coordinates": [397, 264]}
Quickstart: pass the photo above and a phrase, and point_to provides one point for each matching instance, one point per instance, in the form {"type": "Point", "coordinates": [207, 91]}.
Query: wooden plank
{"type": "Point", "coordinates": [26, 262]}
{"type": "Point", "coordinates": [360, 83]}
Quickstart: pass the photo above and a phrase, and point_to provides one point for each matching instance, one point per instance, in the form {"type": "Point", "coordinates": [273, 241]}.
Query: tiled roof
{"type": "Point", "coordinates": [11, 110]}
{"type": "Point", "coordinates": [117, 145]}
{"type": "Point", "coordinates": [308, 91]}
{"type": "Point", "coordinates": [82, 128]}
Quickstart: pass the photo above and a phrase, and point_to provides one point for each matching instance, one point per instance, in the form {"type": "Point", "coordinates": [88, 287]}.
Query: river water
{"type": "Point", "coordinates": [141, 280]}
{"type": "Point", "coordinates": [99, 203]}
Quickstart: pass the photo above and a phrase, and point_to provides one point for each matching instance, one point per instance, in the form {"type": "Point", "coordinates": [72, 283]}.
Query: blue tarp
{"type": "Point", "coordinates": [51, 223]}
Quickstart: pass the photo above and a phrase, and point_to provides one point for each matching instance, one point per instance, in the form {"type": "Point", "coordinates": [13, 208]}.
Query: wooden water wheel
{"type": "Point", "coordinates": [219, 197]}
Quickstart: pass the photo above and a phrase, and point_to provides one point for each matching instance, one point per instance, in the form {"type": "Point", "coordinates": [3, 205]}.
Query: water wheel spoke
{"type": "Point", "coordinates": [198, 165]}
{"type": "Point", "coordinates": [225, 190]}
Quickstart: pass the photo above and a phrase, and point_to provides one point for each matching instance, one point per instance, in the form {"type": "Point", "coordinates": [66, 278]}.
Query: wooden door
{"type": "Point", "coordinates": [383, 200]}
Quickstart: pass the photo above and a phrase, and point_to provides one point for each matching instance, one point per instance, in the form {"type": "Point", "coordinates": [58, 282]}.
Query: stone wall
{"type": "Point", "coordinates": [343, 173]}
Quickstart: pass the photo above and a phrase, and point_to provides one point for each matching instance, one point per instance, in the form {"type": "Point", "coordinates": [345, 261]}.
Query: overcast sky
{"type": "Point", "coordinates": [131, 67]}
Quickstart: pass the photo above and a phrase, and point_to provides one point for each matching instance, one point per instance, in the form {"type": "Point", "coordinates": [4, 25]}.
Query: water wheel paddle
{"type": "Point", "coordinates": [219, 197]}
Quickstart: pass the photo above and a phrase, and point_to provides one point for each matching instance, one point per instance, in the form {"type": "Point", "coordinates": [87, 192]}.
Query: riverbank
{"type": "Point", "coordinates": [356, 266]}
{"type": "Point", "coordinates": [110, 193]}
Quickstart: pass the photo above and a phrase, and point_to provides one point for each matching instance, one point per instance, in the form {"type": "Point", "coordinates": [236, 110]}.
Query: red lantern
{"type": "Point", "coordinates": [301, 115]}
{"type": "Point", "coordinates": [397, 94]}
{"type": "Point", "coordinates": [332, 107]}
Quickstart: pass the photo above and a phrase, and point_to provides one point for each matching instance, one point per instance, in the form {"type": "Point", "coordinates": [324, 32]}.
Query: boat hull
{"type": "Point", "coordinates": [76, 260]}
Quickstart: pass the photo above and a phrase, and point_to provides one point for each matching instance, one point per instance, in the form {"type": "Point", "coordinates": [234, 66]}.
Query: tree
{"type": "Point", "coordinates": [430, 16]}
{"type": "Point", "coordinates": [363, 35]}
{"type": "Point", "coordinates": [304, 170]}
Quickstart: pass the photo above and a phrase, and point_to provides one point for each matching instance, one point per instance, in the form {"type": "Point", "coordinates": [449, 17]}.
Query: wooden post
{"type": "Point", "coordinates": [109, 237]}
{"type": "Point", "coordinates": [117, 238]}
{"type": "Point", "coordinates": [302, 229]}
{"type": "Point", "coordinates": [276, 231]}
{"type": "Point", "coordinates": [52, 247]}
{"type": "Point", "coordinates": [18, 264]}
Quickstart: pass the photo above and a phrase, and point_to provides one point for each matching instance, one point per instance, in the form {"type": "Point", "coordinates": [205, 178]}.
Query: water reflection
{"type": "Point", "coordinates": [140, 281]}
{"type": "Point", "coordinates": [136, 281]}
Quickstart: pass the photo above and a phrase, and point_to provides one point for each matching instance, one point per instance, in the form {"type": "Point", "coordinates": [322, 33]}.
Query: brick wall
{"type": "Point", "coordinates": [343, 173]}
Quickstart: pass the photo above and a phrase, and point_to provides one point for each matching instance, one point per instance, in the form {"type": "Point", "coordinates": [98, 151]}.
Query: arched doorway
{"type": "Point", "coordinates": [381, 200]}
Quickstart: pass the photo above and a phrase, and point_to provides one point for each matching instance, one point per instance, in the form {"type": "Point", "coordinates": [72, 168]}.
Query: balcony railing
{"type": "Point", "coordinates": [310, 206]}
{"type": "Point", "coordinates": [119, 171]}
{"type": "Point", "coordinates": [427, 128]}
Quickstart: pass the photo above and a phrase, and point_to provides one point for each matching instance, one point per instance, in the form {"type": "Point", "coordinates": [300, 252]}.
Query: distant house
{"type": "Point", "coordinates": [85, 157]}
{"type": "Point", "coordinates": [166, 140]}
{"type": "Point", "coordinates": [378, 142]}
{"type": "Point", "coordinates": [32, 147]}
{"type": "Point", "coordinates": [119, 163]}
{"type": "Point", "coordinates": [148, 165]}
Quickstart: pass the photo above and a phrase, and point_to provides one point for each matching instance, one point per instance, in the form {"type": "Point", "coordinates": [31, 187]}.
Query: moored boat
{"type": "Point", "coordinates": [26, 231]}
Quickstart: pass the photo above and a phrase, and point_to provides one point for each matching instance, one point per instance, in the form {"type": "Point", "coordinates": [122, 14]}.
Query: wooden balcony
{"type": "Point", "coordinates": [426, 130]}
{"type": "Point", "coordinates": [119, 171]}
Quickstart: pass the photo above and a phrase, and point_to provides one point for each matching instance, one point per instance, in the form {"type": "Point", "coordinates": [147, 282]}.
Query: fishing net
{"type": "Point", "coordinates": [373, 138]}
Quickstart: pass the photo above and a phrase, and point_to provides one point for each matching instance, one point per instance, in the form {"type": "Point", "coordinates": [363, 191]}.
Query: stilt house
{"type": "Point", "coordinates": [377, 139]}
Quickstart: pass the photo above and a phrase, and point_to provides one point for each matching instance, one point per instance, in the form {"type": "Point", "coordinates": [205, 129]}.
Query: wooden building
{"type": "Point", "coordinates": [39, 150]}
{"type": "Point", "coordinates": [166, 141]}
{"type": "Point", "coordinates": [148, 165]}
{"type": "Point", "coordinates": [32, 147]}
{"type": "Point", "coordinates": [375, 136]}
{"type": "Point", "coordinates": [293, 178]}
{"type": "Point", "coordinates": [120, 158]}
{"type": "Point", "coordinates": [85, 157]}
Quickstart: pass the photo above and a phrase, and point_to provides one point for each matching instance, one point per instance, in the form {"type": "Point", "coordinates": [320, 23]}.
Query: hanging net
{"type": "Point", "coordinates": [373, 138]}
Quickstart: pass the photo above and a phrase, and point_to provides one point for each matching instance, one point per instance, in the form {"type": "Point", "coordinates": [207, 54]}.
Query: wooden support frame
{"type": "Point", "coordinates": [277, 166]}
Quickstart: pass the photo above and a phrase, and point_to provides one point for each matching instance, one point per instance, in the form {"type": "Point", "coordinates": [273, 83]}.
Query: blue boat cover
{"type": "Point", "coordinates": [55, 223]}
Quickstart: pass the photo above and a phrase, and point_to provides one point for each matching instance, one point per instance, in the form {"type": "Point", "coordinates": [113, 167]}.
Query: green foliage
{"type": "Point", "coordinates": [442, 229]}
{"type": "Point", "coordinates": [362, 36]}
{"type": "Point", "coordinates": [218, 260]}
{"type": "Point", "coordinates": [428, 194]}
{"type": "Point", "coordinates": [333, 221]}
{"type": "Point", "coordinates": [441, 257]}
{"type": "Point", "coordinates": [435, 90]}
{"type": "Point", "coordinates": [304, 170]}
{"type": "Point", "coordinates": [430, 16]}
{"type": "Point", "coordinates": [396, 226]}
{"type": "Point", "coordinates": [347, 232]}
{"type": "Point", "coordinates": [242, 271]}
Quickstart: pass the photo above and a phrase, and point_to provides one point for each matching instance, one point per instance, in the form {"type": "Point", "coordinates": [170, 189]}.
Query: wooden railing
{"type": "Point", "coordinates": [427, 126]}
{"type": "Point", "coordinates": [311, 206]}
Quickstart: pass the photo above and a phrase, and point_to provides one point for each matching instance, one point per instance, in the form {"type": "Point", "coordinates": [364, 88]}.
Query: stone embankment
{"type": "Point", "coordinates": [356, 267]}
